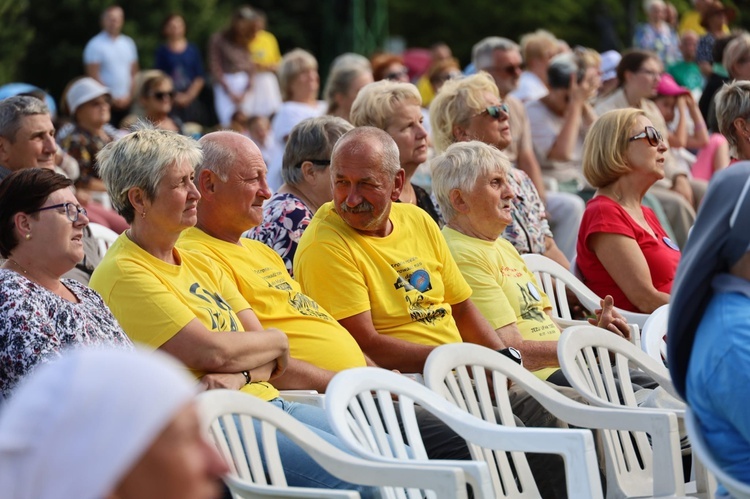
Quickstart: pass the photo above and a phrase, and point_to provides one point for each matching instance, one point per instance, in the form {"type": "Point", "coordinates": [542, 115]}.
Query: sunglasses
{"type": "Point", "coordinates": [511, 70]}
{"type": "Point", "coordinates": [72, 211]}
{"type": "Point", "coordinates": [395, 75]}
{"type": "Point", "coordinates": [163, 95]}
{"type": "Point", "coordinates": [495, 112]}
{"type": "Point", "coordinates": [651, 134]}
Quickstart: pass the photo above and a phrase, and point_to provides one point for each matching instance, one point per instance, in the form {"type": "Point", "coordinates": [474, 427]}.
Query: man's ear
{"type": "Point", "coordinates": [4, 151]}
{"type": "Point", "coordinates": [398, 184]}
{"type": "Point", "coordinates": [206, 183]}
{"type": "Point", "coordinates": [458, 201]}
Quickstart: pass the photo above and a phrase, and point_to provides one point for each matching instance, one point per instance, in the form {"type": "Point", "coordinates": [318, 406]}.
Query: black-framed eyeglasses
{"type": "Point", "coordinates": [396, 75]}
{"type": "Point", "coordinates": [651, 134]}
{"type": "Point", "coordinates": [72, 211]}
{"type": "Point", "coordinates": [163, 95]}
{"type": "Point", "coordinates": [316, 162]}
{"type": "Point", "coordinates": [494, 112]}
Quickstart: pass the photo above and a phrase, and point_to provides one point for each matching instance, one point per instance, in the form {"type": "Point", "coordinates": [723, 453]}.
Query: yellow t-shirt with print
{"type": "Point", "coordinates": [264, 49]}
{"type": "Point", "coordinates": [153, 300]}
{"type": "Point", "coordinates": [504, 289]}
{"type": "Point", "coordinates": [407, 279]}
{"type": "Point", "coordinates": [278, 301]}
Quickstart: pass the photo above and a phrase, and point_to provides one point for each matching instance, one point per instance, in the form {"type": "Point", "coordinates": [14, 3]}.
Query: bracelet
{"type": "Point", "coordinates": [248, 378]}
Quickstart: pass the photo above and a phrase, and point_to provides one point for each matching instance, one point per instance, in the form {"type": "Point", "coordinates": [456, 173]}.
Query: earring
{"type": "Point", "coordinates": [143, 214]}
{"type": "Point", "coordinates": [28, 236]}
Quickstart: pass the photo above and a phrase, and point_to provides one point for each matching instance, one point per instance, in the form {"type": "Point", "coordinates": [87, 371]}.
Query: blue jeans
{"type": "Point", "coordinates": [300, 469]}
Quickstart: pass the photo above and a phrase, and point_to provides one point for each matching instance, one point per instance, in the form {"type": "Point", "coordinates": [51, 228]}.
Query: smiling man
{"type": "Point", "coordinates": [27, 135]}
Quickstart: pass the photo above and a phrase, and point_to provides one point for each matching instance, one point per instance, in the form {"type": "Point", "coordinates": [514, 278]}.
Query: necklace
{"type": "Point", "coordinates": [23, 269]}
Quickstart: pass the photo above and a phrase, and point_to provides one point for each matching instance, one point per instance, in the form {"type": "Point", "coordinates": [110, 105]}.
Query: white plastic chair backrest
{"type": "Point", "coordinates": [104, 237]}
{"type": "Point", "coordinates": [579, 350]}
{"type": "Point", "coordinates": [554, 279]}
{"type": "Point", "coordinates": [256, 464]}
{"type": "Point", "coordinates": [459, 372]}
{"type": "Point", "coordinates": [736, 488]}
{"type": "Point", "coordinates": [653, 336]}
{"type": "Point", "coordinates": [362, 412]}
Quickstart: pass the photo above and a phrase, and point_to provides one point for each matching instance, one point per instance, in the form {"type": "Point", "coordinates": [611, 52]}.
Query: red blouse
{"type": "Point", "coordinates": [605, 215]}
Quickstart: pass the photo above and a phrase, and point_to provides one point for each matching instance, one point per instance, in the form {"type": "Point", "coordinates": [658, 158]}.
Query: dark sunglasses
{"type": "Point", "coordinates": [316, 162]}
{"type": "Point", "coordinates": [651, 134]}
{"type": "Point", "coordinates": [395, 75]}
{"type": "Point", "coordinates": [163, 95]}
{"type": "Point", "coordinates": [511, 70]}
{"type": "Point", "coordinates": [494, 112]}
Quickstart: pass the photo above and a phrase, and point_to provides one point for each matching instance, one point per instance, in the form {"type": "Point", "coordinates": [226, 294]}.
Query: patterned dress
{"type": "Point", "coordinates": [285, 218]}
{"type": "Point", "coordinates": [36, 325]}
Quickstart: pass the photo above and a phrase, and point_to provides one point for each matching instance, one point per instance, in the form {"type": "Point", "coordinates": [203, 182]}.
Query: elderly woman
{"type": "Point", "coordinates": [344, 82]}
{"type": "Point", "coordinates": [470, 109]}
{"type": "Point", "coordinates": [709, 331]}
{"type": "Point", "coordinates": [52, 436]}
{"type": "Point", "coordinates": [735, 57]}
{"type": "Point", "coordinates": [193, 311]}
{"type": "Point", "coordinates": [732, 111]}
{"type": "Point", "coordinates": [157, 98]}
{"type": "Point", "coordinates": [638, 75]}
{"type": "Point", "coordinates": [470, 181]}
{"type": "Point", "coordinates": [623, 251]}
{"type": "Point", "coordinates": [396, 108]}
{"type": "Point", "coordinates": [657, 35]}
{"type": "Point", "coordinates": [387, 66]}
{"type": "Point", "coordinates": [307, 185]}
{"type": "Point", "coordinates": [300, 84]}
{"type": "Point", "coordinates": [40, 313]}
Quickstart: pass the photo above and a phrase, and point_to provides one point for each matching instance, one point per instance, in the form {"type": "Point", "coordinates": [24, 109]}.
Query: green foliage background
{"type": "Point", "coordinates": [41, 41]}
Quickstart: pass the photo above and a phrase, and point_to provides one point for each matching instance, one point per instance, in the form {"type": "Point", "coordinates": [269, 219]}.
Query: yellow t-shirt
{"type": "Point", "coordinates": [278, 301]}
{"type": "Point", "coordinates": [425, 90]}
{"type": "Point", "coordinates": [407, 280]}
{"type": "Point", "coordinates": [504, 289]}
{"type": "Point", "coordinates": [691, 20]}
{"type": "Point", "coordinates": [264, 49]}
{"type": "Point", "coordinates": [153, 300]}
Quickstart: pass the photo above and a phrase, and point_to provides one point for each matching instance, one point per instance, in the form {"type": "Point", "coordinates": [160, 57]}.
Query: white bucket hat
{"type": "Point", "coordinates": [84, 90]}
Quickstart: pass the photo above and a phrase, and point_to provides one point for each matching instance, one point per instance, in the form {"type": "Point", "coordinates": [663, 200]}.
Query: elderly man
{"type": "Point", "coordinates": [232, 183]}
{"type": "Point", "coordinates": [112, 58]}
{"type": "Point", "coordinates": [501, 58]}
{"type": "Point", "coordinates": [462, 112]}
{"type": "Point", "coordinates": [27, 140]}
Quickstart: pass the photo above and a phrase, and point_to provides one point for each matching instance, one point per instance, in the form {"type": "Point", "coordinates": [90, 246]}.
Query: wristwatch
{"type": "Point", "coordinates": [248, 378]}
{"type": "Point", "coordinates": [513, 354]}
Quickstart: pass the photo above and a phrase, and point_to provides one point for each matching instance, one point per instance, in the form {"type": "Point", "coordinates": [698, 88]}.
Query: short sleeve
{"type": "Point", "coordinates": [606, 216]}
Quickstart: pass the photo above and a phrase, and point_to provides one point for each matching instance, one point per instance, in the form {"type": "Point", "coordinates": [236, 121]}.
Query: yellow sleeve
{"type": "Point", "coordinates": [457, 289]}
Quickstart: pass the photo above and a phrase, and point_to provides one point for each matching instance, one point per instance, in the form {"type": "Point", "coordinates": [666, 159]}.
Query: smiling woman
{"type": "Point", "coordinates": [41, 230]}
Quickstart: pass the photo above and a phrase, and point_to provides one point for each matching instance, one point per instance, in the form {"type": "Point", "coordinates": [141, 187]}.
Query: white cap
{"type": "Point", "coordinates": [76, 425]}
{"type": "Point", "coordinates": [610, 60]}
{"type": "Point", "coordinates": [84, 90]}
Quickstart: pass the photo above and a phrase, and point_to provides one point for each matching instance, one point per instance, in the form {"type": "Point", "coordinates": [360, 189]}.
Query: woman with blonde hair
{"type": "Point", "coordinates": [622, 249]}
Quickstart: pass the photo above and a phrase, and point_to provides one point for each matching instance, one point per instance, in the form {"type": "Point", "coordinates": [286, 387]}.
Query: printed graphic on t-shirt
{"type": "Point", "coordinates": [302, 303]}
{"type": "Point", "coordinates": [412, 276]}
{"type": "Point", "coordinates": [222, 318]}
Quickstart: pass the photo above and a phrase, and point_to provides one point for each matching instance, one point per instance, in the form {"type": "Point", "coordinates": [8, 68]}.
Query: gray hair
{"type": "Point", "coordinates": [292, 64]}
{"type": "Point", "coordinates": [735, 50]}
{"type": "Point", "coordinates": [481, 53]}
{"type": "Point", "coordinates": [217, 156]}
{"type": "Point", "coordinates": [311, 139]}
{"type": "Point", "coordinates": [459, 167]}
{"type": "Point", "coordinates": [14, 109]}
{"type": "Point", "coordinates": [140, 159]}
{"type": "Point", "coordinates": [340, 78]}
{"type": "Point", "coordinates": [360, 137]}
{"type": "Point", "coordinates": [732, 101]}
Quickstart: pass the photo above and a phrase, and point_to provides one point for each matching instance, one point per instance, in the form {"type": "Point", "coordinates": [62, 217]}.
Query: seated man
{"type": "Point", "coordinates": [470, 181]}
{"type": "Point", "coordinates": [231, 180]}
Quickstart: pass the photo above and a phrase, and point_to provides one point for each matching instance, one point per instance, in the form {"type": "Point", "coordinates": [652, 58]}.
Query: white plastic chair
{"type": "Point", "coordinates": [368, 422]}
{"type": "Point", "coordinates": [460, 371]}
{"type": "Point", "coordinates": [653, 336]}
{"type": "Point", "coordinates": [104, 236]}
{"type": "Point", "coordinates": [554, 279]}
{"type": "Point", "coordinates": [736, 488]}
{"type": "Point", "coordinates": [580, 350]}
{"type": "Point", "coordinates": [260, 474]}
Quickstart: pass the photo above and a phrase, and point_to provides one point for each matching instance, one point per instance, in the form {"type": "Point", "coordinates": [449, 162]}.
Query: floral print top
{"type": "Point", "coordinates": [530, 228]}
{"type": "Point", "coordinates": [285, 218]}
{"type": "Point", "coordinates": [36, 325]}
{"type": "Point", "coordinates": [83, 147]}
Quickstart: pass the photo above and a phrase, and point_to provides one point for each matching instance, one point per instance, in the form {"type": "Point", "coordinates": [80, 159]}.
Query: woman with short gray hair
{"type": "Point", "coordinates": [344, 82]}
{"type": "Point", "coordinates": [732, 110]}
{"type": "Point", "coordinates": [307, 185]}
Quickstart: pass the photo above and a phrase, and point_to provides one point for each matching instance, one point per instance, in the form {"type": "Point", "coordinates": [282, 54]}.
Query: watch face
{"type": "Point", "coordinates": [514, 352]}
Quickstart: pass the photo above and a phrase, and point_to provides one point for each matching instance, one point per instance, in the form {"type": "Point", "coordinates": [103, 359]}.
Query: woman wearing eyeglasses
{"type": "Point", "coordinates": [307, 185]}
{"type": "Point", "coordinates": [396, 108]}
{"type": "Point", "coordinates": [41, 314]}
{"type": "Point", "coordinates": [622, 248]}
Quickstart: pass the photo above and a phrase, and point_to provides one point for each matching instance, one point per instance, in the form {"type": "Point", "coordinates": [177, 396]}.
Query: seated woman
{"type": "Point", "coordinates": [144, 416]}
{"type": "Point", "coordinates": [396, 108]}
{"type": "Point", "coordinates": [181, 302]}
{"type": "Point", "coordinates": [470, 181]}
{"type": "Point", "coordinates": [40, 313]}
{"type": "Point", "coordinates": [157, 99]}
{"type": "Point", "coordinates": [307, 185]}
{"type": "Point", "coordinates": [345, 79]}
{"type": "Point", "coordinates": [732, 108]}
{"type": "Point", "coordinates": [709, 331]}
{"type": "Point", "coordinates": [622, 249]}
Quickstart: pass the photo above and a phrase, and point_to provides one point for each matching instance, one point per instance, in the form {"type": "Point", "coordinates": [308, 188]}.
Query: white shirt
{"type": "Point", "coordinates": [115, 57]}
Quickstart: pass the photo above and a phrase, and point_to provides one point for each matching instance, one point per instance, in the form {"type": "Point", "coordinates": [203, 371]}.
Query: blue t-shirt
{"type": "Point", "coordinates": [183, 67]}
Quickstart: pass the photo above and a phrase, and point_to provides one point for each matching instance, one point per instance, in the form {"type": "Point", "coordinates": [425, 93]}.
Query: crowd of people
{"type": "Point", "coordinates": [313, 232]}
